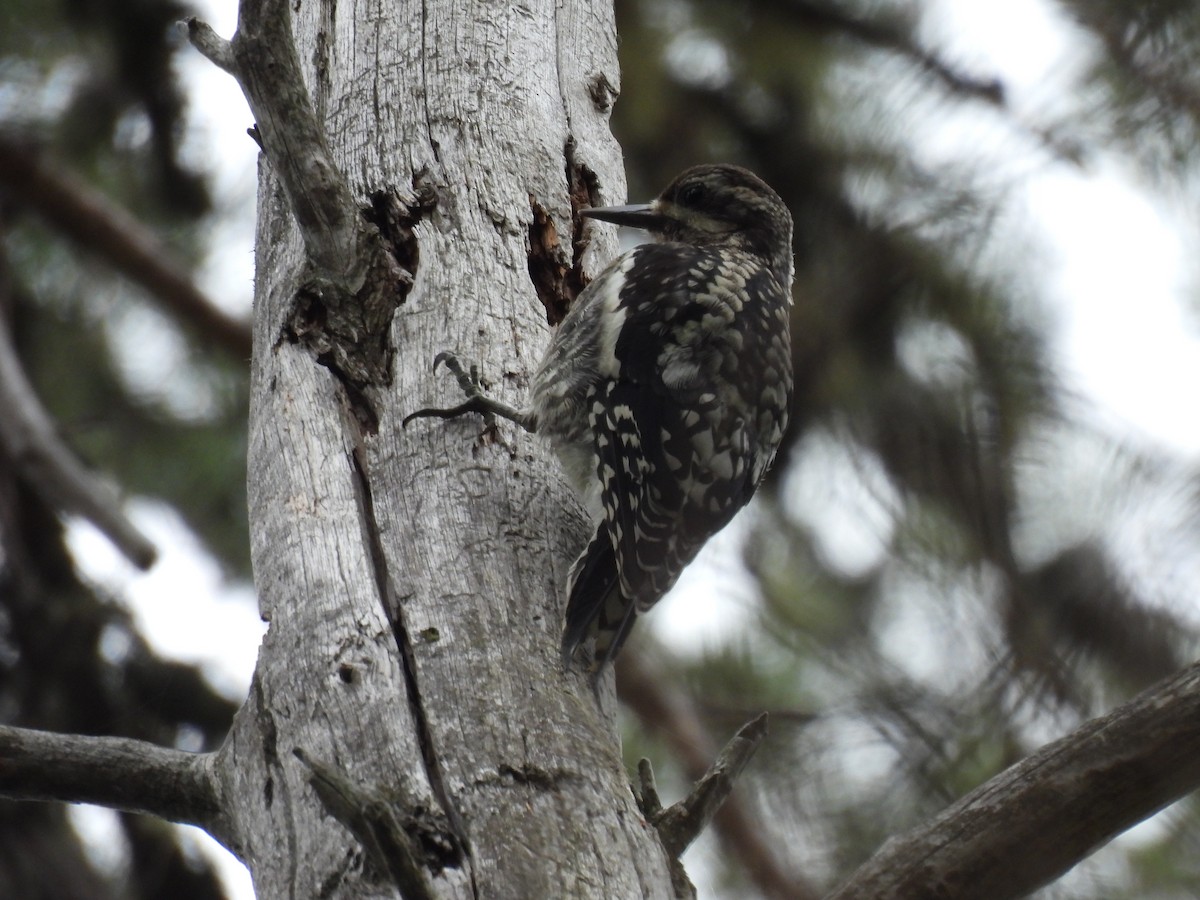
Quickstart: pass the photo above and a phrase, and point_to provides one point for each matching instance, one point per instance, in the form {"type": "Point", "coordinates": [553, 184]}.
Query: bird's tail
{"type": "Point", "coordinates": [596, 607]}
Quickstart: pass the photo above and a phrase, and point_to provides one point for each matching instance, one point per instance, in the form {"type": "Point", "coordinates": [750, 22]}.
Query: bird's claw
{"type": "Point", "coordinates": [447, 357]}
{"type": "Point", "coordinates": [468, 381]}
{"type": "Point", "coordinates": [470, 384]}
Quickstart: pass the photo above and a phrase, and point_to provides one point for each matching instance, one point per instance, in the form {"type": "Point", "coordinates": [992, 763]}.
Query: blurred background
{"type": "Point", "coordinates": [984, 528]}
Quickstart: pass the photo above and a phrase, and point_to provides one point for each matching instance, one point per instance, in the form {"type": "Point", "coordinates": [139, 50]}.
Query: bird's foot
{"type": "Point", "coordinates": [477, 401]}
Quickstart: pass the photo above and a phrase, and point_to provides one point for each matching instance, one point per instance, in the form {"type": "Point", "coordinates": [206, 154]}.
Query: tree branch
{"type": "Point", "coordinates": [351, 284]}
{"type": "Point", "coordinates": [262, 56]}
{"type": "Point", "coordinates": [211, 45]}
{"type": "Point", "coordinates": [1067, 799]}
{"type": "Point", "coordinates": [119, 773]}
{"type": "Point", "coordinates": [93, 221]}
{"type": "Point", "coordinates": [682, 822]}
{"type": "Point", "coordinates": [29, 439]}
{"type": "Point", "coordinates": [670, 714]}
{"type": "Point", "coordinates": [373, 822]}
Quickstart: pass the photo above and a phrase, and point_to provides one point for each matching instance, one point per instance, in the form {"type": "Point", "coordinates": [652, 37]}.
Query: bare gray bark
{"type": "Point", "coordinates": [681, 823]}
{"type": "Point", "coordinates": [1063, 801]}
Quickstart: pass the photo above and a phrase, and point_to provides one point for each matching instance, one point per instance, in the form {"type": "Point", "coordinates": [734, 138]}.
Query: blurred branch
{"type": "Point", "coordinates": [668, 712]}
{"type": "Point", "coordinates": [1083, 598]}
{"type": "Point", "coordinates": [162, 866]}
{"type": "Point", "coordinates": [119, 773]}
{"type": "Point", "coordinates": [28, 438]}
{"type": "Point", "coordinates": [827, 18]}
{"type": "Point", "coordinates": [1039, 818]}
{"type": "Point", "coordinates": [98, 224]}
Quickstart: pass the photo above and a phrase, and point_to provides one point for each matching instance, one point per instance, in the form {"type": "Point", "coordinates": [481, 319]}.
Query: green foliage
{"type": "Point", "coordinates": [986, 608]}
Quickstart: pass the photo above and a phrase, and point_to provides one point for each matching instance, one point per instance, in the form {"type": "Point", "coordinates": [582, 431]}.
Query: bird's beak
{"type": "Point", "coordinates": [637, 215]}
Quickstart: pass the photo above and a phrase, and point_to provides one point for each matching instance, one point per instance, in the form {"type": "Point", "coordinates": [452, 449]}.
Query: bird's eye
{"type": "Point", "coordinates": [691, 194]}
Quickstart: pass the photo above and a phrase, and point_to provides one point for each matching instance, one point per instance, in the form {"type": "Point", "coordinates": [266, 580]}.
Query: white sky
{"type": "Point", "coordinates": [1115, 274]}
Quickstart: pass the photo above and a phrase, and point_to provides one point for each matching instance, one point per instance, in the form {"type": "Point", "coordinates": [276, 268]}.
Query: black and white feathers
{"type": "Point", "coordinates": [666, 390]}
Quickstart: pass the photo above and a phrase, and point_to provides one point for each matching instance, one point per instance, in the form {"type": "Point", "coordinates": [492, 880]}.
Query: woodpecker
{"type": "Point", "coordinates": [665, 391]}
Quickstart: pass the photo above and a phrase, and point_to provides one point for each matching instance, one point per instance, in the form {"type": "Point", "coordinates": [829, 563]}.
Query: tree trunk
{"type": "Point", "coordinates": [412, 577]}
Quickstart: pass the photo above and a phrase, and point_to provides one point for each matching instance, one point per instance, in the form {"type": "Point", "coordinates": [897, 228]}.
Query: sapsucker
{"type": "Point", "coordinates": [665, 390]}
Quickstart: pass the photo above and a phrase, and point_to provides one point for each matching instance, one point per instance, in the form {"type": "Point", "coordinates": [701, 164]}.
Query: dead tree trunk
{"type": "Point", "coordinates": [412, 578]}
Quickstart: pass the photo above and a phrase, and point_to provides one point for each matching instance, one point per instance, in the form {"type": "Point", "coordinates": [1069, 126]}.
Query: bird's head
{"type": "Point", "coordinates": [715, 205]}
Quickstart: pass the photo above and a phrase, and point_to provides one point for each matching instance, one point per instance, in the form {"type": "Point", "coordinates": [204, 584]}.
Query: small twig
{"type": "Point", "coordinates": [371, 820]}
{"type": "Point", "coordinates": [29, 439]}
{"type": "Point", "coordinates": [648, 798]}
{"type": "Point", "coordinates": [119, 773]}
{"type": "Point", "coordinates": [211, 45]}
{"type": "Point", "coordinates": [681, 823]}
{"type": "Point", "coordinates": [96, 223]}
{"type": "Point", "coordinates": [671, 714]}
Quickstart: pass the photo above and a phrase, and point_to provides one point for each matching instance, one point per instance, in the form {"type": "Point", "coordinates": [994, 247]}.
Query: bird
{"type": "Point", "coordinates": [665, 391]}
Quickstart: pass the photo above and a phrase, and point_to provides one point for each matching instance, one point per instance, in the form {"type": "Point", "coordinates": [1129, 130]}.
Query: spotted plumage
{"type": "Point", "coordinates": [666, 390]}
